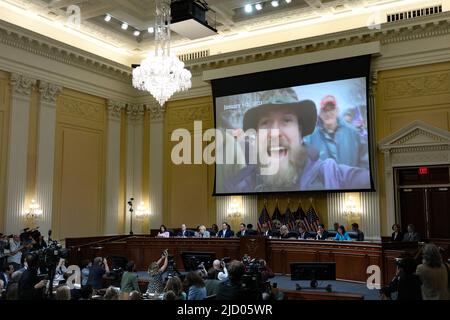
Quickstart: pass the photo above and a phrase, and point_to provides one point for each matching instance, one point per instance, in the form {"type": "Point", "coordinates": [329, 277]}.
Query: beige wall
{"type": "Point", "coordinates": [4, 135]}
{"type": "Point", "coordinates": [188, 188]}
{"type": "Point", "coordinates": [79, 165]}
{"type": "Point", "coordinates": [408, 94]}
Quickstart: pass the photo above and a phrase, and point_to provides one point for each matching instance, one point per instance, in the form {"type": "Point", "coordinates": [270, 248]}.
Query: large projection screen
{"type": "Point", "coordinates": [293, 130]}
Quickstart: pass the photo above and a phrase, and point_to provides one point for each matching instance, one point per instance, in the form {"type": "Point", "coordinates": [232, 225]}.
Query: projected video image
{"type": "Point", "coordinates": [305, 138]}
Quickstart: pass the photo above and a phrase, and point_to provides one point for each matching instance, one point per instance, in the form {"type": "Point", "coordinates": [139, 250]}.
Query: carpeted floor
{"type": "Point", "coordinates": [285, 282]}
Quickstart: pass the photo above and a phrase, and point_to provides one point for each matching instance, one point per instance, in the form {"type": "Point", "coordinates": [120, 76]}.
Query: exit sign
{"type": "Point", "coordinates": [423, 170]}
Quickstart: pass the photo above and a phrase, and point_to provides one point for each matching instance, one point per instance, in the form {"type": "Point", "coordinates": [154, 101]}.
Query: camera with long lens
{"type": "Point", "coordinates": [49, 257]}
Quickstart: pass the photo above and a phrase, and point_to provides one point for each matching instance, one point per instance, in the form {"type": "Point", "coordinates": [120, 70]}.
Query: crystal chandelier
{"type": "Point", "coordinates": [162, 73]}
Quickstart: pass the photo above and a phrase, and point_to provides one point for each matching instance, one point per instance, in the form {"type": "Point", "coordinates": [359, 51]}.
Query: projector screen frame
{"type": "Point", "coordinates": [274, 75]}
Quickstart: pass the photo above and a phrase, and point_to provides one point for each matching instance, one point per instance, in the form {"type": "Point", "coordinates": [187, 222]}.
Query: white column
{"type": "Point", "coordinates": [46, 152]}
{"type": "Point", "coordinates": [222, 204]}
{"type": "Point", "coordinates": [335, 205]}
{"type": "Point", "coordinates": [156, 165]}
{"type": "Point", "coordinates": [21, 87]}
{"type": "Point", "coordinates": [113, 167]}
{"type": "Point", "coordinates": [134, 161]}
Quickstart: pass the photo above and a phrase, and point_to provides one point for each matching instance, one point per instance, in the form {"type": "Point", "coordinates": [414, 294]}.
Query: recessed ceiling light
{"type": "Point", "coordinates": [288, 1]}
{"type": "Point", "coordinates": [258, 6]}
{"type": "Point", "coordinates": [151, 29]}
{"type": "Point", "coordinates": [248, 8]}
{"type": "Point", "coordinates": [274, 3]}
{"type": "Point", "coordinates": [124, 26]}
{"type": "Point", "coordinates": [136, 33]}
{"type": "Point", "coordinates": [107, 18]}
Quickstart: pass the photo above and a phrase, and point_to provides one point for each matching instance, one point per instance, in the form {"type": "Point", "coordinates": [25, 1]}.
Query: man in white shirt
{"type": "Point", "coordinates": [15, 252]}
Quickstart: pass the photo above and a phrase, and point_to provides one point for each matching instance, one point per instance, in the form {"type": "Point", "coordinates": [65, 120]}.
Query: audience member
{"type": "Point", "coordinates": [85, 266]}
{"type": "Point", "coordinates": [5, 275]}
{"type": "Point", "coordinates": [322, 234]}
{"type": "Point", "coordinates": [359, 233]}
{"type": "Point", "coordinates": [15, 255]}
{"type": "Point", "coordinates": [233, 288]}
{"type": "Point", "coordinates": [196, 286]}
{"type": "Point", "coordinates": [434, 274]}
{"type": "Point", "coordinates": [211, 283]}
{"type": "Point", "coordinates": [156, 281]}
{"type": "Point", "coordinates": [129, 278]}
{"type": "Point", "coordinates": [135, 295]}
{"type": "Point", "coordinates": [30, 287]}
{"type": "Point", "coordinates": [266, 272]}
{"type": "Point", "coordinates": [411, 235]}
{"type": "Point", "coordinates": [86, 292]}
{"type": "Point", "coordinates": [111, 293]}
{"type": "Point", "coordinates": [397, 235]}
{"type": "Point", "coordinates": [342, 234]}
{"type": "Point", "coordinates": [163, 233]}
{"type": "Point", "coordinates": [406, 283]}
{"type": "Point", "coordinates": [97, 272]}
{"type": "Point", "coordinates": [174, 284]}
{"type": "Point", "coordinates": [12, 292]}
{"type": "Point", "coordinates": [63, 293]}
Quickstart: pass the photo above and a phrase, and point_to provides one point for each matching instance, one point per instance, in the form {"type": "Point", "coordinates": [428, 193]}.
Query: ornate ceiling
{"type": "Point", "coordinates": [227, 16]}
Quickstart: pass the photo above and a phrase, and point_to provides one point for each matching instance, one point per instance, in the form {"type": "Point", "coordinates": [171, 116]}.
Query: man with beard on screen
{"type": "Point", "coordinates": [296, 166]}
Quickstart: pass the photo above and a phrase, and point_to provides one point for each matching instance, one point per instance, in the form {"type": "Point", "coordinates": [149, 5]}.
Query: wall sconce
{"type": "Point", "coordinates": [234, 210]}
{"type": "Point", "coordinates": [33, 212]}
{"type": "Point", "coordinates": [142, 211]}
{"type": "Point", "coordinates": [351, 208]}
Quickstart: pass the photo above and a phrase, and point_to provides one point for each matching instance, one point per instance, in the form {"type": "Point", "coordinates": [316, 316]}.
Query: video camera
{"type": "Point", "coordinates": [49, 257]}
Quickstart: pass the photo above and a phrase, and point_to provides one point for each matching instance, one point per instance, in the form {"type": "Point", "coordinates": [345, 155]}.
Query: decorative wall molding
{"type": "Point", "coordinates": [418, 86]}
{"type": "Point", "coordinates": [22, 85]}
{"type": "Point", "coordinates": [17, 37]}
{"type": "Point", "coordinates": [135, 112]}
{"type": "Point", "coordinates": [49, 92]}
{"type": "Point", "coordinates": [115, 109]}
{"type": "Point", "coordinates": [82, 109]}
{"type": "Point", "coordinates": [190, 114]}
{"type": "Point", "coordinates": [416, 144]}
{"type": "Point", "coordinates": [156, 111]}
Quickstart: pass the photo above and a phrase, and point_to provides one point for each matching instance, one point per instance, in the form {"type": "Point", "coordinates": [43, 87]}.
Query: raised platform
{"type": "Point", "coordinates": [352, 258]}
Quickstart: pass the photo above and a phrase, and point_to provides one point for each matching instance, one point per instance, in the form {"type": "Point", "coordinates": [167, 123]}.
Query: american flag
{"type": "Point", "coordinates": [300, 217]}
{"type": "Point", "coordinates": [276, 215]}
{"type": "Point", "coordinates": [289, 219]}
{"type": "Point", "coordinates": [312, 219]}
{"type": "Point", "coordinates": [264, 218]}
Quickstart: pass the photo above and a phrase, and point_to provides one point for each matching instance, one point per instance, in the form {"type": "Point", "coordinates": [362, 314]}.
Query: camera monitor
{"type": "Point", "coordinates": [313, 271]}
{"type": "Point", "coordinates": [191, 260]}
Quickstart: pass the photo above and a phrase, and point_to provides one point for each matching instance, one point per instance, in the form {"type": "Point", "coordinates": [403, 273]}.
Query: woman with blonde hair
{"type": "Point", "coordinates": [434, 274]}
{"type": "Point", "coordinates": [156, 281]}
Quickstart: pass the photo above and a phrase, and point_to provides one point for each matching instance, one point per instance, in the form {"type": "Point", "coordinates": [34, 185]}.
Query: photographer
{"type": "Point", "coordinates": [221, 269]}
{"type": "Point", "coordinates": [97, 272]}
{"type": "Point", "coordinates": [234, 288]}
{"type": "Point", "coordinates": [266, 272]}
{"type": "Point", "coordinates": [156, 281]}
{"type": "Point", "coordinates": [30, 287]}
{"type": "Point", "coordinates": [15, 252]}
{"type": "Point", "coordinates": [406, 283]}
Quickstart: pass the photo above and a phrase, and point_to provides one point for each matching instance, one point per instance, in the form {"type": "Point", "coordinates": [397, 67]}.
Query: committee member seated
{"type": "Point", "coordinates": [202, 232]}
{"type": "Point", "coordinates": [225, 232]}
{"type": "Point", "coordinates": [184, 232]}
{"type": "Point", "coordinates": [265, 231]}
{"type": "Point", "coordinates": [302, 233]}
{"type": "Point", "coordinates": [397, 235]}
{"type": "Point", "coordinates": [411, 235]}
{"type": "Point", "coordinates": [242, 230]}
{"type": "Point", "coordinates": [163, 233]}
{"type": "Point", "coordinates": [322, 234]}
{"type": "Point", "coordinates": [359, 233]}
{"type": "Point", "coordinates": [250, 231]}
{"type": "Point", "coordinates": [341, 234]}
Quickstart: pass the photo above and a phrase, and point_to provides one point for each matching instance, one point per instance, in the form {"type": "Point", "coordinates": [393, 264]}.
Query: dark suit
{"type": "Point", "coordinates": [227, 234]}
{"type": "Point", "coordinates": [411, 237]}
{"type": "Point", "coordinates": [399, 236]}
{"type": "Point", "coordinates": [270, 233]}
{"type": "Point", "coordinates": [186, 233]}
{"type": "Point", "coordinates": [243, 233]}
{"type": "Point", "coordinates": [304, 235]}
{"type": "Point", "coordinates": [323, 237]}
